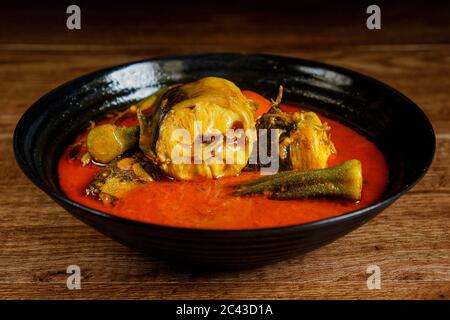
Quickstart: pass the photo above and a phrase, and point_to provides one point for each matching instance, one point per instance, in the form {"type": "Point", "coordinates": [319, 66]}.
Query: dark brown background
{"type": "Point", "coordinates": [410, 241]}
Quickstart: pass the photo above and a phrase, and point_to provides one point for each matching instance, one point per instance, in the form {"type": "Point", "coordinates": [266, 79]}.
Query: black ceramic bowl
{"type": "Point", "coordinates": [382, 114]}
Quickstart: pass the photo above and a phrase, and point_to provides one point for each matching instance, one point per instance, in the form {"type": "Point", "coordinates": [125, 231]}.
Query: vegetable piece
{"type": "Point", "coordinates": [342, 181]}
{"type": "Point", "coordinates": [106, 142]}
{"type": "Point", "coordinates": [122, 175]}
{"type": "Point", "coordinates": [309, 143]}
{"type": "Point", "coordinates": [305, 141]}
{"type": "Point", "coordinates": [201, 111]}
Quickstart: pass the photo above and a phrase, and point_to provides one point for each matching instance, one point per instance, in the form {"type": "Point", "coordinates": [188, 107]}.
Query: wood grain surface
{"type": "Point", "coordinates": [410, 241]}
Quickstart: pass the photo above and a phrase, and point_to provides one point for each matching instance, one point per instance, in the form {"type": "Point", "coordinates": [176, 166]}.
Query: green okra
{"type": "Point", "coordinates": [108, 141]}
{"type": "Point", "coordinates": [342, 181]}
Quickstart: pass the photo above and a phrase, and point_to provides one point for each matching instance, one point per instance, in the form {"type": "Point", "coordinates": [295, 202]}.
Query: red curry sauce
{"type": "Point", "coordinates": [208, 204]}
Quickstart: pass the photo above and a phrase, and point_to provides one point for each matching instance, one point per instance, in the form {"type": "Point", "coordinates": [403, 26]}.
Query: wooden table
{"type": "Point", "coordinates": [410, 241]}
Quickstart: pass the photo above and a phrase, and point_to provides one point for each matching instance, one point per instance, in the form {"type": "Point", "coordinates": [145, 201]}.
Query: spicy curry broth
{"type": "Point", "coordinates": [208, 204]}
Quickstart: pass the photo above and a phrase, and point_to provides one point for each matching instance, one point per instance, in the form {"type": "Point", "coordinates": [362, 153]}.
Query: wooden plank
{"type": "Point", "coordinates": [420, 75]}
{"type": "Point", "coordinates": [409, 241]}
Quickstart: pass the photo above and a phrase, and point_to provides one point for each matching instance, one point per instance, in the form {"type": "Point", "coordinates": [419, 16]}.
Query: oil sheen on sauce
{"type": "Point", "coordinates": [207, 204]}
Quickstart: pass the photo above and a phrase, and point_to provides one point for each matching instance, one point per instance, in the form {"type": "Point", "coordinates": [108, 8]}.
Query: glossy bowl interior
{"type": "Point", "coordinates": [380, 113]}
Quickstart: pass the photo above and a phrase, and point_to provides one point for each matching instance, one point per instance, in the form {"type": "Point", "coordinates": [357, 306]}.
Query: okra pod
{"type": "Point", "coordinates": [343, 181]}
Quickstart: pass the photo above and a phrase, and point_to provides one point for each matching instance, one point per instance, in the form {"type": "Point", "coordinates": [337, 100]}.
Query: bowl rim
{"type": "Point", "coordinates": [60, 197]}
